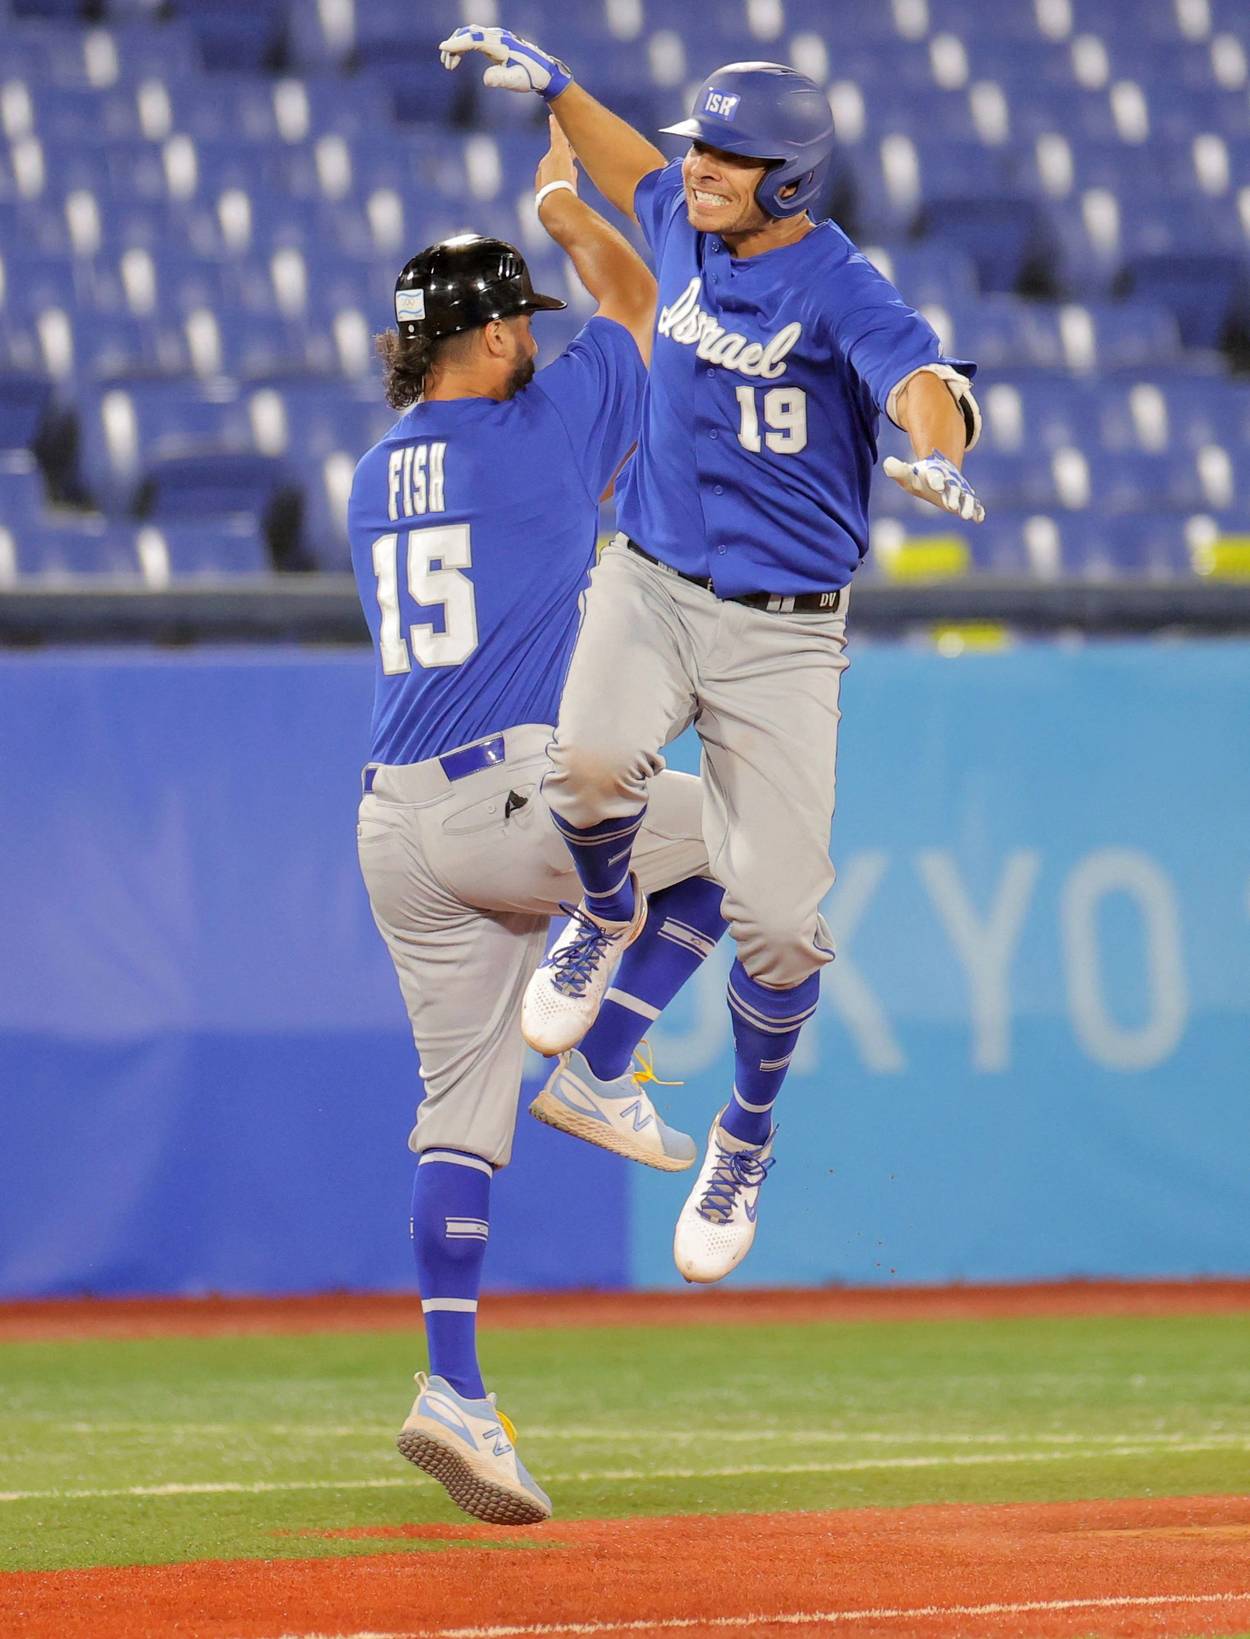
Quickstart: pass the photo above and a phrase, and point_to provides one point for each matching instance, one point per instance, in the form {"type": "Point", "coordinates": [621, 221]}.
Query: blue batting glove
{"type": "Point", "coordinates": [516, 64]}
{"type": "Point", "coordinates": [939, 481]}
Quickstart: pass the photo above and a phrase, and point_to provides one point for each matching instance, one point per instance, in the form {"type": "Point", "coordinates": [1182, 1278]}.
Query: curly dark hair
{"type": "Point", "coordinates": [407, 364]}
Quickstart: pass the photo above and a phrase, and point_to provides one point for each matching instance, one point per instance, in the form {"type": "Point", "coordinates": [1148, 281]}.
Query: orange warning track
{"type": "Point", "coordinates": [63, 1319]}
{"type": "Point", "coordinates": [1179, 1565]}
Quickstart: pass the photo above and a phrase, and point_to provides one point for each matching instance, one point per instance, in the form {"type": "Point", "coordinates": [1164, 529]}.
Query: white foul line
{"type": "Point", "coordinates": [968, 1459]}
{"type": "Point", "coordinates": [795, 1619]}
{"type": "Point", "coordinates": [574, 1434]}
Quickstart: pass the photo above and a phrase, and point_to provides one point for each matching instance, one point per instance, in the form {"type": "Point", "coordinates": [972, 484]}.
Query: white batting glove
{"type": "Point", "coordinates": [939, 481]}
{"type": "Point", "coordinates": [516, 64]}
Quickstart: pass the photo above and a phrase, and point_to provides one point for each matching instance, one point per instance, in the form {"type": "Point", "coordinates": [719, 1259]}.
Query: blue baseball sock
{"type": "Point", "coordinates": [450, 1224]}
{"type": "Point", "coordinates": [601, 855]}
{"type": "Point", "coordinates": [766, 1025]}
{"type": "Point", "coordinates": [683, 924]}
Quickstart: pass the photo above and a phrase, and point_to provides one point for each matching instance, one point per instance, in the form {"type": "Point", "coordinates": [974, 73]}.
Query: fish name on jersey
{"type": "Point", "coordinates": [414, 477]}
{"type": "Point", "coordinates": [685, 321]}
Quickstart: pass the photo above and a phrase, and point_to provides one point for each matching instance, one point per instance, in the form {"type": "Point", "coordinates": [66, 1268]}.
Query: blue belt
{"type": "Point", "coordinates": [458, 764]}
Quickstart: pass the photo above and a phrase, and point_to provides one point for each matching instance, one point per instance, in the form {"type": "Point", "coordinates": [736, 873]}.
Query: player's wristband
{"type": "Point", "coordinates": [551, 187]}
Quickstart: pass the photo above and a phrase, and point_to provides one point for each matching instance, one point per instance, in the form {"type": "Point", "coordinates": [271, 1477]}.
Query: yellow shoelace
{"type": "Point", "coordinates": [645, 1060]}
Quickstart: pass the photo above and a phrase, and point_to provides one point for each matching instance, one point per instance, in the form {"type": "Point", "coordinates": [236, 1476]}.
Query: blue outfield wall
{"type": "Point", "coordinates": [1032, 1057]}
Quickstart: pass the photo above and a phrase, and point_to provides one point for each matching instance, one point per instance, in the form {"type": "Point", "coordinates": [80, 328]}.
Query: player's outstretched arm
{"type": "Point", "coordinates": [934, 422]}
{"type": "Point", "coordinates": [615, 155]}
{"type": "Point", "coordinates": [611, 270]}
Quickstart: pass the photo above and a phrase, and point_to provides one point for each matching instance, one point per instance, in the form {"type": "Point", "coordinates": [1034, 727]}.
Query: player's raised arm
{"type": "Point", "coordinates": [611, 270]}
{"type": "Point", "coordinates": [616, 156]}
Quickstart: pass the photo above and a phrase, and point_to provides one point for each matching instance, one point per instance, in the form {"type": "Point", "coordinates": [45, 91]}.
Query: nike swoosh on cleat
{"type": "Point", "coordinates": [750, 1208]}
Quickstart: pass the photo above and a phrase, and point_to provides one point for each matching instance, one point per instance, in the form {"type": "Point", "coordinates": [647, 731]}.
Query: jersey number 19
{"type": "Point", "coordinates": [447, 547]}
{"type": "Point", "coordinates": [785, 420]}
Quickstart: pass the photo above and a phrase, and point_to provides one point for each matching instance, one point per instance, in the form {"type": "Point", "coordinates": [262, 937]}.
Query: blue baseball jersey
{"type": "Point", "coordinates": [473, 527]}
{"type": "Point", "coordinates": [759, 422]}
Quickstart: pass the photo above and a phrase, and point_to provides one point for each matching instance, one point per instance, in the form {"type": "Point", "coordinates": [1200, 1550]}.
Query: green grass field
{"type": "Point", "coordinates": [144, 1452]}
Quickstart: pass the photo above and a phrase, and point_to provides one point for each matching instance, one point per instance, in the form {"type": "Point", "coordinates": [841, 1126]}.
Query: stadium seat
{"type": "Point", "coordinates": [74, 546]}
{"type": "Point", "coordinates": [181, 549]}
{"type": "Point", "coordinates": [21, 488]}
{"type": "Point", "coordinates": [25, 398]}
{"type": "Point", "coordinates": [128, 425]}
{"type": "Point", "coordinates": [224, 484]}
{"type": "Point", "coordinates": [1009, 240]}
{"type": "Point", "coordinates": [231, 36]}
{"type": "Point", "coordinates": [1210, 295]}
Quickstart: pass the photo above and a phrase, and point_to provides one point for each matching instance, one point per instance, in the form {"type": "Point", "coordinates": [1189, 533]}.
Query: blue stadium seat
{"type": "Point", "coordinates": [231, 36]}
{"type": "Point", "coordinates": [247, 345]}
{"type": "Point", "coordinates": [37, 228]}
{"type": "Point", "coordinates": [1082, 114]}
{"type": "Point", "coordinates": [74, 546]}
{"type": "Point", "coordinates": [125, 345]}
{"type": "Point", "coordinates": [153, 225]}
{"type": "Point", "coordinates": [1039, 411]}
{"type": "Point", "coordinates": [129, 425]}
{"type": "Point", "coordinates": [1210, 295]}
{"type": "Point", "coordinates": [20, 347]}
{"type": "Point", "coordinates": [49, 10]}
{"type": "Point", "coordinates": [85, 113]}
{"type": "Point", "coordinates": [25, 399]}
{"type": "Point", "coordinates": [1136, 545]}
{"type": "Point", "coordinates": [1175, 410]}
{"type": "Point", "coordinates": [924, 274]}
{"type": "Point", "coordinates": [1008, 239]}
{"type": "Point", "coordinates": [219, 484]}
{"type": "Point", "coordinates": [44, 53]}
{"type": "Point", "coordinates": [185, 549]}
{"type": "Point", "coordinates": [21, 488]}
{"type": "Point", "coordinates": [414, 88]}
{"type": "Point", "coordinates": [325, 483]}
{"type": "Point", "coordinates": [1006, 60]}
{"type": "Point", "coordinates": [241, 107]}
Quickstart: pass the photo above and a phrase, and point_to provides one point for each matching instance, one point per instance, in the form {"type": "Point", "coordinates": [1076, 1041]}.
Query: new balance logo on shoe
{"type": "Point", "coordinates": [500, 1444]}
{"type": "Point", "coordinates": [635, 1111]}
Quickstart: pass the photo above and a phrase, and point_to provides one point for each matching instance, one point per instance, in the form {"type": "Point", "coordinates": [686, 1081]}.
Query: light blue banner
{"type": "Point", "coordinates": [1032, 1056]}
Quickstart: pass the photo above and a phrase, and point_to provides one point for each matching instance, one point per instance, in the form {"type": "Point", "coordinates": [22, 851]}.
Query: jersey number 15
{"type": "Point", "coordinates": [430, 587]}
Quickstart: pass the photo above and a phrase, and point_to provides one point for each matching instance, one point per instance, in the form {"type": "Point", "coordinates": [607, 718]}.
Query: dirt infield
{"type": "Point", "coordinates": [1165, 1566]}
{"type": "Point", "coordinates": [64, 1319]}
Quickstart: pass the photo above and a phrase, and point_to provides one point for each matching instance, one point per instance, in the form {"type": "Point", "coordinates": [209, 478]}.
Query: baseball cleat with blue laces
{"type": "Point", "coordinates": [716, 1226]}
{"type": "Point", "coordinates": [616, 1115]}
{"type": "Point", "coordinates": [469, 1447]}
{"type": "Point", "coordinates": [566, 992]}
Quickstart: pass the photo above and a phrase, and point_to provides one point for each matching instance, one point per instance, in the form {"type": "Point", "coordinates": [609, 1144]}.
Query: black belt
{"type": "Point", "coordinates": [828, 602]}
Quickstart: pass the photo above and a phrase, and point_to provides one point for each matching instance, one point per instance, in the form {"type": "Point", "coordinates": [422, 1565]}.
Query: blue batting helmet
{"type": "Point", "coordinates": [772, 113]}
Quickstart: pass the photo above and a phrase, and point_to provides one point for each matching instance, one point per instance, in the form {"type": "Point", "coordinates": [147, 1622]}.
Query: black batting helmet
{"type": "Point", "coordinates": [462, 283]}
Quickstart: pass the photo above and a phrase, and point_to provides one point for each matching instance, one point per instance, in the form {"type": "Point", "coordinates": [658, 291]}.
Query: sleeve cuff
{"type": "Point", "coordinates": [960, 388]}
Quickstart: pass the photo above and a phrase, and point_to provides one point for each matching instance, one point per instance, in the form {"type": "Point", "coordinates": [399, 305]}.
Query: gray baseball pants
{"type": "Point", "coordinates": [463, 892]}
{"type": "Point", "coordinates": [657, 653]}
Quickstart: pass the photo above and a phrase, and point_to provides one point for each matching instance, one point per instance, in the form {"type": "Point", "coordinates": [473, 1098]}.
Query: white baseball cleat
{"type": "Point", "coordinates": [716, 1226]}
{"type": "Point", "coordinates": [469, 1447]}
{"type": "Point", "coordinates": [616, 1115]}
{"type": "Point", "coordinates": [566, 991]}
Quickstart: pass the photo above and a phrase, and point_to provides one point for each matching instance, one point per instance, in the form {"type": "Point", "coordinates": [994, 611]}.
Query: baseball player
{"type": "Point", "coordinates": [723, 600]}
{"type": "Point", "coordinates": [472, 527]}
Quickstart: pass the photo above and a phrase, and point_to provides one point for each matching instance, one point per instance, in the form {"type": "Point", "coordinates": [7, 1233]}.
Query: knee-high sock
{"type": "Point", "coordinates": [766, 1025]}
{"type": "Point", "coordinates": [683, 924]}
{"type": "Point", "coordinates": [450, 1224]}
{"type": "Point", "coordinates": [601, 856]}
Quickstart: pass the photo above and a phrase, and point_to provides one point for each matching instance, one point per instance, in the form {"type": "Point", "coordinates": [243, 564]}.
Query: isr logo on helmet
{"type": "Point", "coordinates": [722, 103]}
